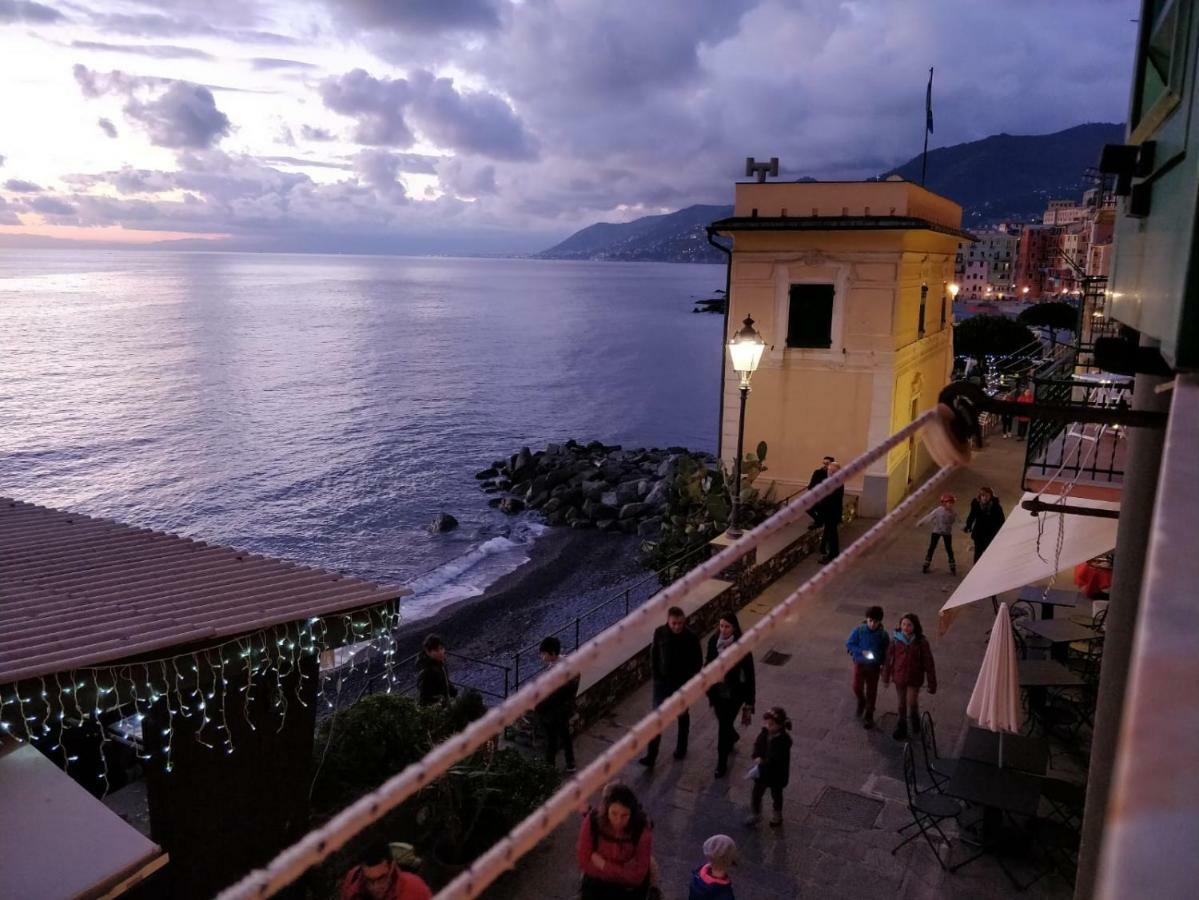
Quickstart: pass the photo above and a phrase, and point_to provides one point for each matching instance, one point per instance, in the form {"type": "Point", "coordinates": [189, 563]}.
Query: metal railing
{"type": "Point", "coordinates": [1053, 447]}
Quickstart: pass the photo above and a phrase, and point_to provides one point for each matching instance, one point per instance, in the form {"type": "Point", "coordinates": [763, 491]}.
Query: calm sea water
{"type": "Point", "coordinates": [325, 408]}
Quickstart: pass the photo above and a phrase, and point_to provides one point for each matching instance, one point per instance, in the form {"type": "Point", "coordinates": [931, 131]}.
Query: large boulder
{"type": "Point", "coordinates": [611, 498]}
{"type": "Point", "coordinates": [632, 510]}
{"type": "Point", "coordinates": [656, 497]}
{"type": "Point", "coordinates": [626, 492]}
{"type": "Point", "coordinates": [523, 464]}
{"type": "Point", "coordinates": [444, 522]}
{"type": "Point", "coordinates": [511, 506]}
{"type": "Point", "coordinates": [650, 528]}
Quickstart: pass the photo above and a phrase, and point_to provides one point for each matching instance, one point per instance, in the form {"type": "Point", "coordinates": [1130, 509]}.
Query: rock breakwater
{"type": "Point", "coordinates": [592, 485]}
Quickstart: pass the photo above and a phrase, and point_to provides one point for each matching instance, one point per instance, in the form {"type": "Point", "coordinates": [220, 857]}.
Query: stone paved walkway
{"type": "Point", "coordinates": [823, 849]}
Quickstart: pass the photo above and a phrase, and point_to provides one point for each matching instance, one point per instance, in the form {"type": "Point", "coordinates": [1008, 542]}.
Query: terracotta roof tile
{"type": "Point", "coordinates": [78, 591]}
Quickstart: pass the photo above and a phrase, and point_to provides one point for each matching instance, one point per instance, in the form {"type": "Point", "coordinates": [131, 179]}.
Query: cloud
{"type": "Point", "coordinates": [107, 127]}
{"type": "Point", "coordinates": [464, 179]}
{"type": "Point", "coordinates": [28, 12]}
{"type": "Point", "coordinates": [377, 105]}
{"type": "Point", "coordinates": [17, 186]}
{"type": "Point", "coordinates": [312, 133]}
{"type": "Point", "coordinates": [267, 63]}
{"type": "Point", "coordinates": [155, 51]}
{"type": "Point", "coordinates": [298, 161]}
{"type": "Point", "coordinates": [183, 22]}
{"type": "Point", "coordinates": [422, 17]}
{"type": "Point", "coordinates": [51, 206]}
{"type": "Point", "coordinates": [7, 215]}
{"type": "Point", "coordinates": [178, 115]}
{"type": "Point", "coordinates": [465, 121]}
{"type": "Point", "coordinates": [380, 170]}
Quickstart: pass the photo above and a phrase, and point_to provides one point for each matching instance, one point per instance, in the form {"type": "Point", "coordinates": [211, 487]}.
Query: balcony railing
{"type": "Point", "coordinates": [1089, 458]}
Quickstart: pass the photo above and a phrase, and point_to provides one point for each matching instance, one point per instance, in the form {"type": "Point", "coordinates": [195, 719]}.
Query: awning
{"type": "Point", "coordinates": [57, 841]}
{"type": "Point", "coordinates": [1026, 550]}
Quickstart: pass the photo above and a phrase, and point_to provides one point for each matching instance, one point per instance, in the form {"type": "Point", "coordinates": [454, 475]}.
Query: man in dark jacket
{"type": "Point", "coordinates": [829, 513]}
{"type": "Point", "coordinates": [984, 521]}
{"type": "Point", "coordinates": [676, 657]}
{"type": "Point", "coordinates": [818, 476]}
{"type": "Point", "coordinates": [432, 677]}
{"type": "Point", "coordinates": [555, 711]}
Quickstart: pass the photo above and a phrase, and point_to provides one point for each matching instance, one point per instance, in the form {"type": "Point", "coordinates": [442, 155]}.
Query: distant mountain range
{"type": "Point", "coordinates": [1002, 178]}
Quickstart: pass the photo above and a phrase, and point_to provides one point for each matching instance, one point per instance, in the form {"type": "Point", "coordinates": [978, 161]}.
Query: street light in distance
{"type": "Point", "coordinates": [745, 350]}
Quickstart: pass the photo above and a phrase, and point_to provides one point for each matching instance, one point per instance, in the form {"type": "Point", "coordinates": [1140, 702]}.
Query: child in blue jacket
{"type": "Point", "coordinates": [867, 645]}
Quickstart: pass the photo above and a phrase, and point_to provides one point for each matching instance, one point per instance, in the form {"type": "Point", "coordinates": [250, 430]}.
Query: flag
{"type": "Point", "coordinates": [928, 104]}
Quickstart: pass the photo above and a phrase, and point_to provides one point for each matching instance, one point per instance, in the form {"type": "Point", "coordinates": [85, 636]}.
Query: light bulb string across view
{"type": "Point", "coordinates": [627, 635]}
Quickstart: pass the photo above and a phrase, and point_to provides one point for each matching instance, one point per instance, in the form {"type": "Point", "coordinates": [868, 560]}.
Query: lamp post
{"type": "Point", "coordinates": [954, 287]}
{"type": "Point", "coordinates": [745, 349]}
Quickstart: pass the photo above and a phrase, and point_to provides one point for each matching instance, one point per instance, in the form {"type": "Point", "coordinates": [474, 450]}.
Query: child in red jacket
{"type": "Point", "coordinates": [909, 662]}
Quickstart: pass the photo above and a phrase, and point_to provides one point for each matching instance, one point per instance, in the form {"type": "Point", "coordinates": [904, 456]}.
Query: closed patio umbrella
{"type": "Point", "coordinates": [995, 703]}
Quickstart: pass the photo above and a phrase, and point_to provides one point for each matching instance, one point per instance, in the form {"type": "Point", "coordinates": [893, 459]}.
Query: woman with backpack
{"type": "Point", "coordinates": [615, 847]}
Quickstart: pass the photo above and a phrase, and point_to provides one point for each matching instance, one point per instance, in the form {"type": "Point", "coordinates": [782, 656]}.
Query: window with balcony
{"type": "Point", "coordinates": [810, 316]}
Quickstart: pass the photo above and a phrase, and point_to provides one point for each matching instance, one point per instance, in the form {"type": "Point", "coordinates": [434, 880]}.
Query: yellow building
{"type": "Point", "coordinates": [848, 283]}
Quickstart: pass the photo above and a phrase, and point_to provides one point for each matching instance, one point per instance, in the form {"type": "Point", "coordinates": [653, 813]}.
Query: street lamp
{"type": "Point", "coordinates": [953, 290]}
{"type": "Point", "coordinates": [745, 349]}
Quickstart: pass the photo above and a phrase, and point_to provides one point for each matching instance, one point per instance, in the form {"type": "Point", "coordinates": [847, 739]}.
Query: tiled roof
{"type": "Point", "coordinates": [77, 591]}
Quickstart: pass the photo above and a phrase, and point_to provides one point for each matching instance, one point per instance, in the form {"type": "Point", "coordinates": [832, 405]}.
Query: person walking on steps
{"type": "Point", "coordinates": [735, 693]}
{"type": "Point", "coordinates": [984, 521]}
{"type": "Point", "coordinates": [675, 657]}
{"type": "Point", "coordinates": [867, 645]}
{"type": "Point", "coordinates": [909, 663]}
{"type": "Point", "coordinates": [943, 519]}
{"type": "Point", "coordinates": [772, 765]}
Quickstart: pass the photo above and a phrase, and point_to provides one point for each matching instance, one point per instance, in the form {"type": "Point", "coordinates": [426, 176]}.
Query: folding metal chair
{"type": "Point", "coordinates": [927, 809]}
{"type": "Point", "coordinates": [939, 770]}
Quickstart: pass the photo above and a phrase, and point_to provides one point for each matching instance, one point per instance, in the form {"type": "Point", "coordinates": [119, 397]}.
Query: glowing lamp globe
{"type": "Point", "coordinates": [746, 349]}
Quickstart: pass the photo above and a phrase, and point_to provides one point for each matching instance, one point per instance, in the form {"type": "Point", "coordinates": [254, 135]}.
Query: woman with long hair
{"type": "Point", "coordinates": [735, 693]}
{"type": "Point", "coordinates": [909, 663]}
{"type": "Point", "coordinates": [615, 847]}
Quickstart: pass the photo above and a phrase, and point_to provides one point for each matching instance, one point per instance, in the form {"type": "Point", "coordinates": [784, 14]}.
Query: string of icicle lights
{"type": "Point", "coordinates": [196, 695]}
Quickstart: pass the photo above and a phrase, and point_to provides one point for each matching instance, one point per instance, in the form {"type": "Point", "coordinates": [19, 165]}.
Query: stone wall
{"type": "Point", "coordinates": [634, 672]}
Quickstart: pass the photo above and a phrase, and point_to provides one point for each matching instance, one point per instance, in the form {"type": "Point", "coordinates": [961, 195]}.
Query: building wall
{"type": "Point", "coordinates": [806, 403]}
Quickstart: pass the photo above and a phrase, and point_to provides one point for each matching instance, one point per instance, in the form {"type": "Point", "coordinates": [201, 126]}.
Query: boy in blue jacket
{"type": "Point", "coordinates": [867, 645]}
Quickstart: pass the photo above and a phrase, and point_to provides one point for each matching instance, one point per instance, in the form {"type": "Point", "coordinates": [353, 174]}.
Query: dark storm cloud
{"type": "Point", "coordinates": [422, 17]}
{"type": "Point", "coordinates": [17, 186]}
{"type": "Point", "coordinates": [155, 51]}
{"type": "Point", "coordinates": [178, 115]}
{"type": "Point", "coordinates": [107, 127]}
{"type": "Point", "coordinates": [465, 121]}
{"type": "Point", "coordinates": [28, 12]}
{"type": "Point", "coordinates": [268, 63]}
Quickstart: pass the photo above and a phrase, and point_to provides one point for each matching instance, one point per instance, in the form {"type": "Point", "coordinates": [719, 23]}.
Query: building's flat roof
{"type": "Point", "coordinates": [77, 591]}
{"type": "Point", "coordinates": [834, 223]}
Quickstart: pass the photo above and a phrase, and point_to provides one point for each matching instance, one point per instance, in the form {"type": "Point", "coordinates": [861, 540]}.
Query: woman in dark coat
{"type": "Point", "coordinates": [984, 521]}
{"type": "Point", "coordinates": [734, 694]}
{"type": "Point", "coordinates": [909, 663]}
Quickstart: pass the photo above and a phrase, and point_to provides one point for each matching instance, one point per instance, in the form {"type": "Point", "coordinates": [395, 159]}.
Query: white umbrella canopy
{"type": "Point", "coordinates": [995, 703]}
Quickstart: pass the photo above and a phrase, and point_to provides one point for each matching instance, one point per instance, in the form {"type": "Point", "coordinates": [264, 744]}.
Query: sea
{"type": "Point", "coordinates": [324, 409]}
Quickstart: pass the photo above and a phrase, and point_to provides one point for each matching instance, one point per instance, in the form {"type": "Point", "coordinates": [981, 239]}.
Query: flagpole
{"type": "Point", "coordinates": [928, 125]}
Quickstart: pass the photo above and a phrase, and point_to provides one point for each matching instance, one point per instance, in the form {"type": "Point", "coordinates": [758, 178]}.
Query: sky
{"type": "Point", "coordinates": [501, 126]}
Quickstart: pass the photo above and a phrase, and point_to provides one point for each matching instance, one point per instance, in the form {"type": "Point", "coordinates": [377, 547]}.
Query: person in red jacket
{"type": "Point", "coordinates": [909, 663]}
{"type": "Point", "coordinates": [615, 847]}
{"type": "Point", "coordinates": [377, 877]}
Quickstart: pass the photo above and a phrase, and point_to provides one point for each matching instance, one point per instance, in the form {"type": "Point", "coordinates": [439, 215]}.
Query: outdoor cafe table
{"type": "Point", "coordinates": [997, 791]}
{"type": "Point", "coordinates": [1048, 598]}
{"type": "Point", "coordinates": [1046, 673]}
{"type": "Point", "coordinates": [1060, 633]}
{"type": "Point", "coordinates": [1022, 753]}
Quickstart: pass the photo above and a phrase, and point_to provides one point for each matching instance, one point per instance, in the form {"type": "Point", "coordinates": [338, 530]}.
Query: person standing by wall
{"type": "Point", "coordinates": [832, 511]}
{"type": "Point", "coordinates": [676, 657]}
{"type": "Point", "coordinates": [555, 711]}
{"type": "Point", "coordinates": [735, 693]}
